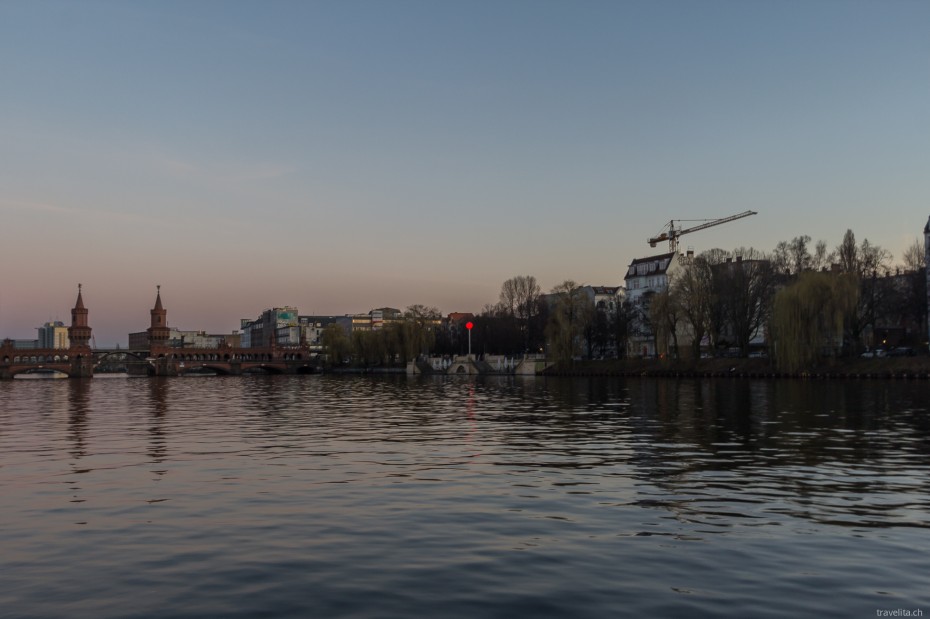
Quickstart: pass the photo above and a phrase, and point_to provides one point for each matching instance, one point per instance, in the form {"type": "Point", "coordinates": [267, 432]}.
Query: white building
{"type": "Point", "coordinates": [644, 277]}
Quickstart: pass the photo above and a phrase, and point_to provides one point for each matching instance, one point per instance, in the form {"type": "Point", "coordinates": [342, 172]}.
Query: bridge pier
{"type": "Point", "coordinates": [165, 367]}
{"type": "Point", "coordinates": [82, 366]}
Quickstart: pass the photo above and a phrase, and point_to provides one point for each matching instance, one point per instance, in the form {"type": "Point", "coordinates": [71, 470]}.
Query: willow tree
{"type": "Point", "coordinates": [572, 311]}
{"type": "Point", "coordinates": [418, 331]}
{"type": "Point", "coordinates": [810, 315]}
{"type": "Point", "coordinates": [336, 343]}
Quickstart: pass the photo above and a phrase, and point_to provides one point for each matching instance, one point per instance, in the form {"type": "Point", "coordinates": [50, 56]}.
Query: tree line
{"type": "Point", "coordinates": [804, 300]}
{"type": "Point", "coordinates": [398, 341]}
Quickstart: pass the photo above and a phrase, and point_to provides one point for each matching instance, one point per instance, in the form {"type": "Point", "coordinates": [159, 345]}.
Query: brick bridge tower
{"type": "Point", "coordinates": [79, 331]}
{"type": "Point", "coordinates": [159, 333]}
{"type": "Point", "coordinates": [82, 358]}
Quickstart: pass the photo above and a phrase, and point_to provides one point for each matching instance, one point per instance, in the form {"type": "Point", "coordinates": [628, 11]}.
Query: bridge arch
{"type": "Point", "coordinates": [44, 370]}
{"type": "Point", "coordinates": [216, 367]}
{"type": "Point", "coordinates": [115, 353]}
{"type": "Point", "coordinates": [48, 369]}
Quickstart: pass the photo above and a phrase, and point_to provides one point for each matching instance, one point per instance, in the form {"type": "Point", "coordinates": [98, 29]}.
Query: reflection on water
{"type": "Point", "coordinates": [381, 497]}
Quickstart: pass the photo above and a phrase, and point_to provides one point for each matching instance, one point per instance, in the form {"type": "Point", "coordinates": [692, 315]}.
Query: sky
{"type": "Point", "coordinates": [340, 156]}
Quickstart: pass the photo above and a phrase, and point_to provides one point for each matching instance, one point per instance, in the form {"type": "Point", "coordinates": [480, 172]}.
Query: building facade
{"type": "Point", "coordinates": [644, 278]}
{"type": "Point", "coordinates": [312, 328]}
{"type": "Point", "coordinates": [54, 334]}
{"type": "Point", "coordinates": [277, 326]}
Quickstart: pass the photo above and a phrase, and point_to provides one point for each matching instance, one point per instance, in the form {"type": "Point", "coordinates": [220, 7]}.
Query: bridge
{"type": "Point", "coordinates": [84, 363]}
{"type": "Point", "coordinates": [75, 362]}
{"type": "Point", "coordinates": [79, 360]}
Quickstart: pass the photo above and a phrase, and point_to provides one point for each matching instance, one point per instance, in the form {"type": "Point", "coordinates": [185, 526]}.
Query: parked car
{"type": "Point", "coordinates": [872, 354]}
{"type": "Point", "coordinates": [901, 351]}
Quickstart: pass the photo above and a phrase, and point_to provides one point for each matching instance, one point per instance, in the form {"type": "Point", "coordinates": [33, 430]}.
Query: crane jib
{"type": "Point", "coordinates": [673, 233]}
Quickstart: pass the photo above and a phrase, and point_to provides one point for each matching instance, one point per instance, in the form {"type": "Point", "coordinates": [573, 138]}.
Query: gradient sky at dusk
{"type": "Point", "coordinates": [341, 156]}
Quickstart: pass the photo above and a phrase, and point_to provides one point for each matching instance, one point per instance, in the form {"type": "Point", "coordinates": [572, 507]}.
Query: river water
{"type": "Point", "coordinates": [328, 496]}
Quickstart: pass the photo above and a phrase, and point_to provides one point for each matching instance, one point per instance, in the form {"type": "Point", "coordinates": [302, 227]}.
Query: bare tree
{"type": "Point", "coordinates": [867, 263]}
{"type": "Point", "coordinates": [665, 315]}
{"type": "Point", "coordinates": [519, 297]}
{"type": "Point", "coordinates": [822, 259]}
{"type": "Point", "coordinates": [695, 297]}
{"type": "Point", "coordinates": [848, 254]}
{"type": "Point", "coordinates": [418, 331]}
{"type": "Point", "coordinates": [914, 257]}
{"type": "Point", "coordinates": [745, 287]}
{"type": "Point", "coordinates": [799, 254]}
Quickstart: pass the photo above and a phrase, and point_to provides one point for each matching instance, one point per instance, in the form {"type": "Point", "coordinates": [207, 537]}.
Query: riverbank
{"type": "Point", "coordinates": [853, 368]}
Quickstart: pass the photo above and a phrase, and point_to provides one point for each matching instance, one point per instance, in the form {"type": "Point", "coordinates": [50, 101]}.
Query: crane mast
{"type": "Point", "coordinates": [672, 233]}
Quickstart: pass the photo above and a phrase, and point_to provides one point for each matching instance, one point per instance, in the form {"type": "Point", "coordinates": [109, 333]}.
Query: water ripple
{"type": "Point", "coordinates": [390, 497]}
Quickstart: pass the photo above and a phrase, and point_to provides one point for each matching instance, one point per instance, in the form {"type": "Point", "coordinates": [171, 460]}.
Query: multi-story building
{"type": "Point", "coordinates": [273, 326]}
{"type": "Point", "coordinates": [376, 319]}
{"type": "Point", "coordinates": [605, 299]}
{"type": "Point", "coordinates": [644, 278]}
{"type": "Point", "coordinates": [54, 335]}
{"type": "Point", "coordinates": [312, 327]}
{"type": "Point", "coordinates": [186, 339]}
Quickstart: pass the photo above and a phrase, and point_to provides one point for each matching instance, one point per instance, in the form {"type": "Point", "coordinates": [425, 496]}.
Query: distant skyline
{"type": "Point", "coordinates": [342, 156]}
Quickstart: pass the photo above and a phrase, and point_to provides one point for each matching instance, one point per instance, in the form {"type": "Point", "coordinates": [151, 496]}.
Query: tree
{"type": "Point", "coordinates": [695, 294]}
{"type": "Point", "coordinates": [914, 294]}
{"type": "Point", "coordinates": [914, 256]}
{"type": "Point", "coordinates": [822, 259]}
{"type": "Point", "coordinates": [799, 255]}
{"type": "Point", "coordinates": [865, 262]}
{"type": "Point", "coordinates": [848, 254]}
{"type": "Point", "coordinates": [599, 337]}
{"type": "Point", "coordinates": [418, 331]}
{"type": "Point", "coordinates": [665, 314]}
{"type": "Point", "coordinates": [572, 310]}
{"type": "Point", "coordinates": [795, 256]}
{"type": "Point", "coordinates": [809, 315]}
{"type": "Point", "coordinates": [745, 287]}
{"type": "Point", "coordinates": [368, 347]}
{"type": "Point", "coordinates": [717, 320]}
{"type": "Point", "coordinates": [621, 323]}
{"type": "Point", "coordinates": [335, 343]}
{"type": "Point", "coordinates": [519, 298]}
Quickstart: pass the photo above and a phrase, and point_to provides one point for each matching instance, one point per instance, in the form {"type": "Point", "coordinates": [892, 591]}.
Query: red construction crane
{"type": "Point", "coordinates": [671, 233]}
